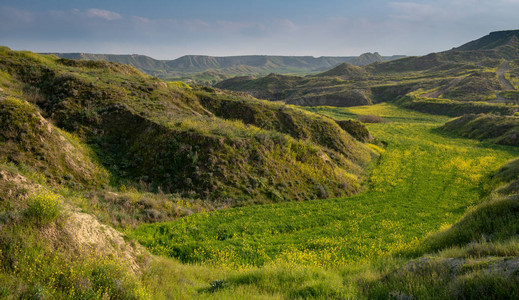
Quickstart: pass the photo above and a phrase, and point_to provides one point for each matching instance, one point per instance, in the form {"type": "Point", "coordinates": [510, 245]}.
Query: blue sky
{"type": "Point", "coordinates": [169, 29]}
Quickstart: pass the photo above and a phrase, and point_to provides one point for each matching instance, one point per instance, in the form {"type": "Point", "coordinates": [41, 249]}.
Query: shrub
{"type": "Point", "coordinates": [43, 208]}
{"type": "Point", "coordinates": [356, 129]}
{"type": "Point", "coordinates": [370, 119]}
{"type": "Point", "coordinates": [112, 281]}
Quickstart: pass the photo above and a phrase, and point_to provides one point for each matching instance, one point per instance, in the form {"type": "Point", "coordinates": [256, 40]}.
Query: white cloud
{"type": "Point", "coordinates": [103, 14]}
{"type": "Point", "coordinates": [141, 20]}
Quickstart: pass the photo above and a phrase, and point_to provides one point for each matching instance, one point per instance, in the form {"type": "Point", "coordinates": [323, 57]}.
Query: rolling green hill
{"type": "Point", "coordinates": [176, 139]}
{"type": "Point", "coordinates": [502, 130]}
{"type": "Point", "coordinates": [345, 71]}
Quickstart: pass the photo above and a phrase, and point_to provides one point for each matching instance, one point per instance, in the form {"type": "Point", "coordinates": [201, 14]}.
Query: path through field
{"type": "Point", "coordinates": [501, 75]}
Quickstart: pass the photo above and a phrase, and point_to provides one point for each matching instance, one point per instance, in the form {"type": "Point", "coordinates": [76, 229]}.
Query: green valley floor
{"type": "Point", "coordinates": [424, 181]}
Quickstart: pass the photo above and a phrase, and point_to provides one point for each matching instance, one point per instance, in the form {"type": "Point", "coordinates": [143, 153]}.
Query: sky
{"type": "Point", "coordinates": [169, 29]}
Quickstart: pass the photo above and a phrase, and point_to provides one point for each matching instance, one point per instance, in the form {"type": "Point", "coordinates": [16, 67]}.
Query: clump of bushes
{"type": "Point", "coordinates": [129, 208]}
{"type": "Point", "coordinates": [43, 208]}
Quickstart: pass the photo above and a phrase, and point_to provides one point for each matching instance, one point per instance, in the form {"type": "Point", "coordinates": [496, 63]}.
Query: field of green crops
{"type": "Point", "coordinates": [423, 181]}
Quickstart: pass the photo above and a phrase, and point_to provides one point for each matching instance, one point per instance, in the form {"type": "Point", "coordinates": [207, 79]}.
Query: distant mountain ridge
{"type": "Point", "coordinates": [475, 71]}
{"type": "Point", "coordinates": [231, 65]}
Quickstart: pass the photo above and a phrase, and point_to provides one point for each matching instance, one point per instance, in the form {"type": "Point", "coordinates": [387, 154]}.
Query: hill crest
{"type": "Point", "coordinates": [491, 41]}
{"type": "Point", "coordinates": [345, 71]}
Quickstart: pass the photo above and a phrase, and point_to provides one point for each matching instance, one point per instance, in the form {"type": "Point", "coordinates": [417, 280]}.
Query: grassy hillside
{"type": "Point", "coordinates": [272, 87]}
{"type": "Point", "coordinates": [50, 249]}
{"type": "Point", "coordinates": [493, 40]}
{"type": "Point", "coordinates": [306, 91]}
{"type": "Point", "coordinates": [28, 140]}
{"type": "Point", "coordinates": [453, 108]}
{"type": "Point", "coordinates": [502, 130]}
{"type": "Point", "coordinates": [478, 86]}
{"type": "Point", "coordinates": [287, 119]}
{"type": "Point", "coordinates": [158, 136]}
{"type": "Point", "coordinates": [345, 71]}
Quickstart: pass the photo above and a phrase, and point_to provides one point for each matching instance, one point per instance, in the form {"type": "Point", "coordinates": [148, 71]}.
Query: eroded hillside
{"type": "Point", "coordinates": [200, 143]}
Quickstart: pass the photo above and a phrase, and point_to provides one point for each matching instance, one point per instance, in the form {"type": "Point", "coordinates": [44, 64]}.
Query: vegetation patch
{"type": "Point", "coordinates": [356, 129]}
{"type": "Point", "coordinates": [370, 119]}
{"type": "Point", "coordinates": [454, 108]}
{"type": "Point", "coordinates": [502, 130]}
{"type": "Point", "coordinates": [43, 208]}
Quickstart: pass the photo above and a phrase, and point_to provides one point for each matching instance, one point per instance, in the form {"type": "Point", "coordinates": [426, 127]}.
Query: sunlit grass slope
{"type": "Point", "coordinates": [423, 180]}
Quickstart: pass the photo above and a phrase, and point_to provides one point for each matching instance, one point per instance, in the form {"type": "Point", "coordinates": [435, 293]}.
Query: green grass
{"type": "Point", "coordinates": [423, 181]}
